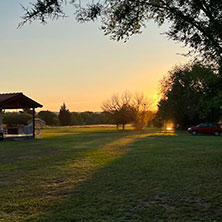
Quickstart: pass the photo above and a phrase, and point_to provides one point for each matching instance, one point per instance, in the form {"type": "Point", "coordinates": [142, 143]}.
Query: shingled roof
{"type": "Point", "coordinates": [17, 101]}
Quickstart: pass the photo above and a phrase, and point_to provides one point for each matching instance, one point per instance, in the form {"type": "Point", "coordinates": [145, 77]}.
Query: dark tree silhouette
{"type": "Point", "coordinates": [190, 96]}
{"type": "Point", "coordinates": [49, 117]}
{"type": "Point", "coordinates": [141, 114]}
{"type": "Point", "coordinates": [64, 116]}
{"type": "Point", "coordinates": [119, 108]}
{"type": "Point", "coordinates": [128, 108]}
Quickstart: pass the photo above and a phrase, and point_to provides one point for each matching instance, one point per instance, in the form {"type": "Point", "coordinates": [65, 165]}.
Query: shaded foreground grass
{"type": "Point", "coordinates": [98, 174]}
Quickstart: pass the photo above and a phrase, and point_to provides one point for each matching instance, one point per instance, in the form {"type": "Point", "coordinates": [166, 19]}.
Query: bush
{"type": "Point", "coordinates": [49, 117]}
{"type": "Point", "coordinates": [14, 118]}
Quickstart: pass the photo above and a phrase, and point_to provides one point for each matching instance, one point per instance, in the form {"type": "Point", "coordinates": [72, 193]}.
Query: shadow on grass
{"type": "Point", "coordinates": [140, 177]}
{"type": "Point", "coordinates": [35, 172]}
{"type": "Point", "coordinates": [84, 182]}
{"type": "Point", "coordinates": [115, 176]}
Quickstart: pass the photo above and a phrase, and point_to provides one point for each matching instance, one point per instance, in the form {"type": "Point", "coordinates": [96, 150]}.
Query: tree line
{"type": "Point", "coordinates": [64, 118]}
{"type": "Point", "coordinates": [120, 110]}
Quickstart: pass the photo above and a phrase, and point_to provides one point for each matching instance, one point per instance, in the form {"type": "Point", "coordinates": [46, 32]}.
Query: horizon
{"type": "Point", "coordinates": [64, 61]}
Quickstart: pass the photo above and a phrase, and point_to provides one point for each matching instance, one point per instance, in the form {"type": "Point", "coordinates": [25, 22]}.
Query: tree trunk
{"type": "Point", "coordinates": [123, 126]}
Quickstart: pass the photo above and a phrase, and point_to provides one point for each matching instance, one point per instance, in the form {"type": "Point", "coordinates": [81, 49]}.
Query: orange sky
{"type": "Point", "coordinates": [76, 64]}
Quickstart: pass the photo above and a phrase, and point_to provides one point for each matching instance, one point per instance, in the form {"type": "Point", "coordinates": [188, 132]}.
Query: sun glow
{"type": "Point", "coordinates": [155, 100]}
{"type": "Point", "coordinates": [169, 126]}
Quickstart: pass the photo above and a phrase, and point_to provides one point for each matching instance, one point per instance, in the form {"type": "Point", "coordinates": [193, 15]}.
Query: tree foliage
{"type": "Point", "coordinates": [196, 23]}
{"type": "Point", "coordinates": [16, 118]}
{"type": "Point", "coordinates": [64, 116]}
{"type": "Point", "coordinates": [119, 108]}
{"type": "Point", "coordinates": [190, 94]}
{"type": "Point", "coordinates": [49, 117]}
{"type": "Point", "coordinates": [128, 108]}
{"type": "Point", "coordinates": [141, 114]}
{"type": "Point", "coordinates": [89, 118]}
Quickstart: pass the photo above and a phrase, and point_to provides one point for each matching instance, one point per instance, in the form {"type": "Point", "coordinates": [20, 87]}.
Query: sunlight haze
{"type": "Point", "coordinates": [64, 61]}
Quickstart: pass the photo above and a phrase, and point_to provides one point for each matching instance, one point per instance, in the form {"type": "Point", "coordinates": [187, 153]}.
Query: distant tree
{"type": "Point", "coordinates": [49, 117]}
{"type": "Point", "coordinates": [157, 121]}
{"type": "Point", "coordinates": [64, 116]}
{"type": "Point", "coordinates": [140, 106]}
{"type": "Point", "coordinates": [128, 108]}
{"type": "Point", "coordinates": [196, 23]}
{"type": "Point", "coordinates": [76, 119]}
{"type": "Point", "coordinates": [119, 108]}
{"type": "Point", "coordinates": [190, 94]}
{"type": "Point", "coordinates": [27, 110]}
{"type": "Point", "coordinates": [90, 118]}
{"type": "Point", "coordinates": [106, 118]}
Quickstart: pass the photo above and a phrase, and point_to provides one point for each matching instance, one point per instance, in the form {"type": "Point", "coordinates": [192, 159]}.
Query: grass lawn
{"type": "Point", "coordinates": [99, 174]}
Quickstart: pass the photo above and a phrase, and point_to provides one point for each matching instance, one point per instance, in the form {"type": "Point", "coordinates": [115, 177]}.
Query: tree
{"type": "Point", "coordinates": [27, 110]}
{"type": "Point", "coordinates": [119, 108]}
{"type": "Point", "coordinates": [49, 117]}
{"type": "Point", "coordinates": [140, 106]}
{"type": "Point", "coordinates": [64, 116]}
{"type": "Point", "coordinates": [128, 108]}
{"type": "Point", "coordinates": [76, 119]}
{"type": "Point", "coordinates": [196, 23]}
{"type": "Point", "coordinates": [16, 118]}
{"type": "Point", "coordinates": [190, 95]}
{"type": "Point", "coordinates": [156, 121]}
{"type": "Point", "coordinates": [90, 118]}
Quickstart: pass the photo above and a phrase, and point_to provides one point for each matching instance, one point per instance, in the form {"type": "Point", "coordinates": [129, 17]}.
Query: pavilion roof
{"type": "Point", "coordinates": [17, 101]}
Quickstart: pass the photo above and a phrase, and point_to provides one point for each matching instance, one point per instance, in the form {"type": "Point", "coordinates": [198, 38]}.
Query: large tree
{"type": "Point", "coordinates": [196, 23]}
{"type": "Point", "coordinates": [119, 108]}
{"type": "Point", "coordinates": [190, 94]}
{"type": "Point", "coordinates": [128, 108]}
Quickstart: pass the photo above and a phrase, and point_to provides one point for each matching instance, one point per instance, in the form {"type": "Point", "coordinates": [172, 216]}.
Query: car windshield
{"type": "Point", "coordinates": [203, 125]}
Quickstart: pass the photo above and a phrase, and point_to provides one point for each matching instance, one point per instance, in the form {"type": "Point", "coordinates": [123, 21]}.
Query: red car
{"type": "Point", "coordinates": [210, 128]}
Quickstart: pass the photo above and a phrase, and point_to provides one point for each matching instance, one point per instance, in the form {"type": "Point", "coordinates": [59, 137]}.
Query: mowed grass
{"type": "Point", "coordinates": [99, 174]}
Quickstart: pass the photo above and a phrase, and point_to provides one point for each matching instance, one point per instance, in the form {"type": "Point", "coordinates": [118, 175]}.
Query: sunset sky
{"type": "Point", "coordinates": [64, 61]}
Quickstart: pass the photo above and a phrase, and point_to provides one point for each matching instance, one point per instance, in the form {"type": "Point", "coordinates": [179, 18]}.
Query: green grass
{"type": "Point", "coordinates": [99, 174]}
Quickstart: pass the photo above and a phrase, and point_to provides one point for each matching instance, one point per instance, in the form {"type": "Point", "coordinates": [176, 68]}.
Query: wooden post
{"type": "Point", "coordinates": [33, 123]}
{"type": "Point", "coordinates": [1, 120]}
{"type": "Point", "coordinates": [1, 128]}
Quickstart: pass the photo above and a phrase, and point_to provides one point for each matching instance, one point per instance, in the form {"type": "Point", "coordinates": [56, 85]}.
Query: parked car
{"type": "Point", "coordinates": [210, 128]}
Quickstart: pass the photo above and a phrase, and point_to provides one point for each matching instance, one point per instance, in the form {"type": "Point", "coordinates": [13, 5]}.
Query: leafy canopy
{"type": "Point", "coordinates": [190, 95]}
{"type": "Point", "coordinates": [128, 108]}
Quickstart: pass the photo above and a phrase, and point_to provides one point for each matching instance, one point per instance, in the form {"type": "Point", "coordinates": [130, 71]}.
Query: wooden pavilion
{"type": "Point", "coordinates": [17, 101]}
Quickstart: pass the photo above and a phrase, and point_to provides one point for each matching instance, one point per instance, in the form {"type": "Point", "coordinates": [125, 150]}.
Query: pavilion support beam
{"type": "Point", "coordinates": [33, 123]}
{"type": "Point", "coordinates": [1, 128]}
